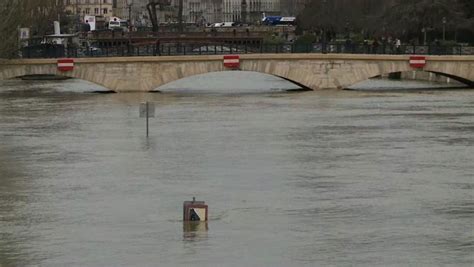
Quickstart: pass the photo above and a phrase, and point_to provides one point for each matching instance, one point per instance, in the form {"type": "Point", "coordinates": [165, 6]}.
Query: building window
{"type": "Point", "coordinates": [88, 10]}
{"type": "Point", "coordinates": [105, 11]}
{"type": "Point", "coordinates": [96, 10]}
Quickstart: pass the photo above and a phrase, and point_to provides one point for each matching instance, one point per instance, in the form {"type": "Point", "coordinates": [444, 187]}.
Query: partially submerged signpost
{"type": "Point", "coordinates": [147, 110]}
{"type": "Point", "coordinates": [195, 217]}
{"type": "Point", "coordinates": [194, 211]}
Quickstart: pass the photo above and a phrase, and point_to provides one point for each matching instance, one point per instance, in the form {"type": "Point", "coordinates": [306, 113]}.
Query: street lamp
{"type": "Point", "coordinates": [324, 23]}
{"type": "Point", "coordinates": [444, 29]}
{"type": "Point", "coordinates": [130, 16]}
{"type": "Point", "coordinates": [346, 28]}
{"type": "Point", "coordinates": [424, 31]}
{"type": "Point", "coordinates": [130, 27]}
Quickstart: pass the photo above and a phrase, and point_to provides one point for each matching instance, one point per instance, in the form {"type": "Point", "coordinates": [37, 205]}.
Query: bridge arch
{"type": "Point", "coordinates": [235, 81]}
{"type": "Point", "coordinates": [463, 72]}
{"type": "Point", "coordinates": [21, 70]}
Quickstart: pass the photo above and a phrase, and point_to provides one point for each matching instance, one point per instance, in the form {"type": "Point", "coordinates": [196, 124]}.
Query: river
{"type": "Point", "coordinates": [372, 177]}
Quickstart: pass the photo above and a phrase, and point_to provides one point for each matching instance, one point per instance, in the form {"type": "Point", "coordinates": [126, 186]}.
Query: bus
{"type": "Point", "coordinates": [278, 21]}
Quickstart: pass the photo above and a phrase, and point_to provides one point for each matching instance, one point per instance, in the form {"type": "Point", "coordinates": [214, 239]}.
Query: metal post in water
{"type": "Point", "coordinates": [147, 115]}
{"type": "Point", "coordinates": [146, 111]}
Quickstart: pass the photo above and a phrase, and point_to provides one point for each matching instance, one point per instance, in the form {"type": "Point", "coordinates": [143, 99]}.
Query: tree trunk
{"type": "Point", "coordinates": [38, 15]}
{"type": "Point", "coordinates": [151, 7]}
{"type": "Point", "coordinates": [180, 16]}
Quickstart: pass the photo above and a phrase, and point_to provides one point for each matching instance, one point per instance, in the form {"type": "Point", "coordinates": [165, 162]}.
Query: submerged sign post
{"type": "Point", "coordinates": [195, 211]}
{"type": "Point", "coordinates": [147, 110]}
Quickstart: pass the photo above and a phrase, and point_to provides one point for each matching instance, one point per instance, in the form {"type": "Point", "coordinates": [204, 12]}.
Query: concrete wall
{"type": "Point", "coordinates": [315, 71]}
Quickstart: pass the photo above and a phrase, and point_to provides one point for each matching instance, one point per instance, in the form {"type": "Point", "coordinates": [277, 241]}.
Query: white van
{"type": "Point", "coordinates": [223, 24]}
{"type": "Point", "coordinates": [228, 24]}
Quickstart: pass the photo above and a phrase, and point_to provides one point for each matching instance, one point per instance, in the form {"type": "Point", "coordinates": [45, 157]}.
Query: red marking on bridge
{"type": "Point", "coordinates": [65, 64]}
{"type": "Point", "coordinates": [417, 62]}
{"type": "Point", "coordinates": [232, 61]}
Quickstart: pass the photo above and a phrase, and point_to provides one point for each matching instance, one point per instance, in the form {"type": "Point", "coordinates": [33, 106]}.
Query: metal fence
{"type": "Point", "coordinates": [221, 49]}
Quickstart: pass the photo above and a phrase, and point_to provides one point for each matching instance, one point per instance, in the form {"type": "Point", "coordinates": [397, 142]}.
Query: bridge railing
{"type": "Point", "coordinates": [220, 49]}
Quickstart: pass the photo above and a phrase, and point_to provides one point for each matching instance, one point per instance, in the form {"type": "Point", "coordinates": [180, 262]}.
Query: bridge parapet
{"type": "Point", "coordinates": [151, 46]}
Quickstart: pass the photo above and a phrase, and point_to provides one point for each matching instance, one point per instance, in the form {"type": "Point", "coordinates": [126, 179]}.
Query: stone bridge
{"type": "Point", "coordinates": [314, 71]}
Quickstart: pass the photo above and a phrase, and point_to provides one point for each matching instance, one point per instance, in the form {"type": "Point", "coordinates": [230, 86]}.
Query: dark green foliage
{"type": "Point", "coordinates": [38, 15]}
{"type": "Point", "coordinates": [401, 18]}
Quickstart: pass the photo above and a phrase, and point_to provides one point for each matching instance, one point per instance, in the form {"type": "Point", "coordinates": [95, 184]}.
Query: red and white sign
{"type": "Point", "coordinates": [65, 64]}
{"type": "Point", "coordinates": [417, 62]}
{"type": "Point", "coordinates": [232, 61]}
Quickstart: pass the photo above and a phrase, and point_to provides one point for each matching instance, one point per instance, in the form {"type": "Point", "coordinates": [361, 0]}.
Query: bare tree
{"type": "Point", "coordinates": [37, 15]}
{"type": "Point", "coordinates": [152, 9]}
{"type": "Point", "coordinates": [180, 16]}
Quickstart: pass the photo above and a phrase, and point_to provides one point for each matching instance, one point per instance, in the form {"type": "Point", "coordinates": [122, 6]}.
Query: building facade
{"type": "Point", "coordinates": [202, 12]}
{"type": "Point", "coordinates": [134, 8]}
{"type": "Point", "coordinates": [89, 7]}
{"type": "Point", "coordinates": [197, 12]}
{"type": "Point", "coordinates": [194, 11]}
{"type": "Point", "coordinates": [249, 11]}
